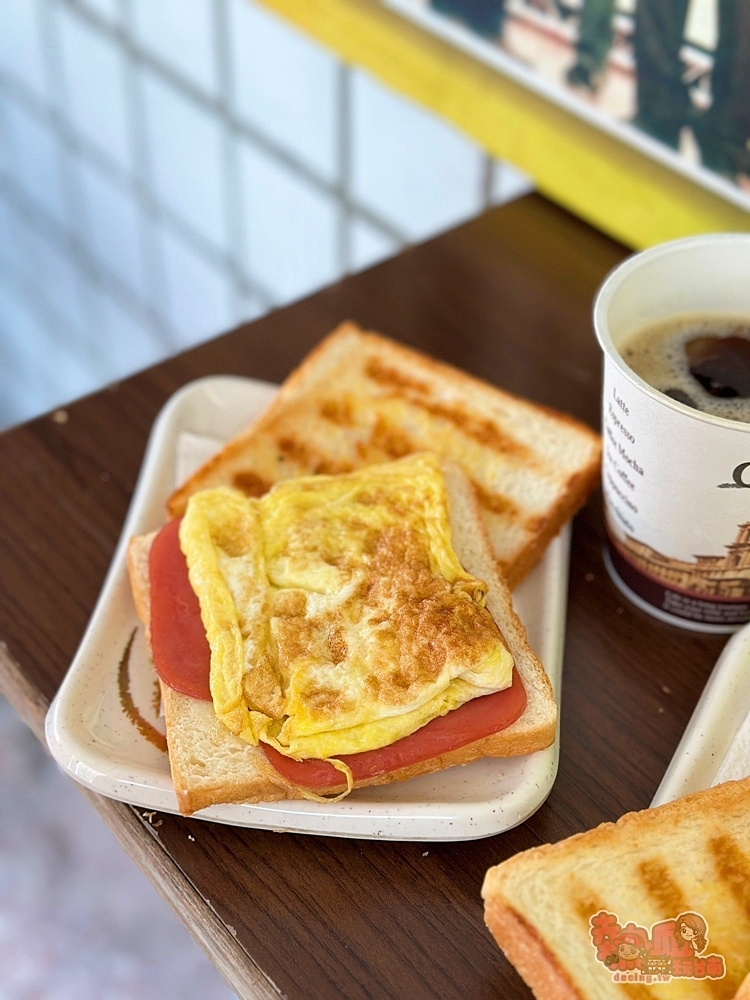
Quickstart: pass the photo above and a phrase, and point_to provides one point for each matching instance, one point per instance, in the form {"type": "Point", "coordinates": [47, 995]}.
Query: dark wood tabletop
{"type": "Point", "coordinates": [507, 297]}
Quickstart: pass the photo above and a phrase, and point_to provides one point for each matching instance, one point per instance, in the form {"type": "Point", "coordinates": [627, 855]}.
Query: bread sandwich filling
{"type": "Point", "coordinates": [338, 616]}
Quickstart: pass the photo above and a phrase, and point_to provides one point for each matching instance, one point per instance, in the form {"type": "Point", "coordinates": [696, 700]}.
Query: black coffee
{"type": "Point", "coordinates": [721, 365]}
{"type": "Point", "coordinates": [702, 361]}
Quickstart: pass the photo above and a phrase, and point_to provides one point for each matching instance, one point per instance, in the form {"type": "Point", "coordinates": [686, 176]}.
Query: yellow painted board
{"type": "Point", "coordinates": [616, 188]}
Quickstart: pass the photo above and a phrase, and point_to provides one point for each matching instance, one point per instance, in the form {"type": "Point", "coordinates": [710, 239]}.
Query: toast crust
{"type": "Point", "coordinates": [529, 483]}
{"type": "Point", "coordinates": [255, 780]}
{"type": "Point", "coordinates": [528, 953]}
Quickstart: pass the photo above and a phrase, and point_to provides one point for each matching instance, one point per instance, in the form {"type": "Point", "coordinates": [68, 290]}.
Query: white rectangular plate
{"type": "Point", "coordinates": [709, 751]}
{"type": "Point", "coordinates": [92, 738]}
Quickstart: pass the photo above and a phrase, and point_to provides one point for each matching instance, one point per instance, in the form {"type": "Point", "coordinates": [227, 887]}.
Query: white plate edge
{"type": "Point", "coordinates": [710, 731]}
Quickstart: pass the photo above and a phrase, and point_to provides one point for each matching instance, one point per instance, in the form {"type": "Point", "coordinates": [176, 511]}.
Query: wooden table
{"type": "Point", "coordinates": [507, 297]}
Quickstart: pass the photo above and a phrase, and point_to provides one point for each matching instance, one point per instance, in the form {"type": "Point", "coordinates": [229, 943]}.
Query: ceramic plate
{"type": "Point", "coordinates": [715, 746]}
{"type": "Point", "coordinates": [104, 729]}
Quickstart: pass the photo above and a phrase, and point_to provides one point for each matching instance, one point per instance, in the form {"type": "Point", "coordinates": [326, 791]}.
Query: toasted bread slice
{"type": "Point", "coordinates": [210, 765]}
{"type": "Point", "coordinates": [690, 856]}
{"type": "Point", "coordinates": [359, 399]}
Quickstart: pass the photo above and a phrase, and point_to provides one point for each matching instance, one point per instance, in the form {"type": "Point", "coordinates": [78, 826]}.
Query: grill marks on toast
{"type": "Point", "coordinates": [661, 888]}
{"type": "Point", "coordinates": [386, 437]}
{"type": "Point", "coordinates": [388, 440]}
{"type": "Point", "coordinates": [338, 411]}
{"type": "Point", "coordinates": [670, 901]}
{"type": "Point", "coordinates": [484, 432]}
{"type": "Point", "coordinates": [585, 904]}
{"type": "Point", "coordinates": [420, 394]}
{"type": "Point", "coordinates": [310, 459]}
{"type": "Point", "coordinates": [733, 869]}
{"type": "Point", "coordinates": [496, 503]}
{"type": "Point", "coordinates": [385, 375]}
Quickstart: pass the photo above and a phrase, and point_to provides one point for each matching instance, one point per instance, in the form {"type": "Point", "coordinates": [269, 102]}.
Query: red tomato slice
{"type": "Point", "coordinates": [182, 658]}
{"type": "Point", "coordinates": [178, 639]}
{"type": "Point", "coordinates": [472, 721]}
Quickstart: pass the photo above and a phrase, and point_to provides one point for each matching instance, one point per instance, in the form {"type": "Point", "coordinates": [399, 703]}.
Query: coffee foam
{"type": "Point", "coordinates": [657, 353]}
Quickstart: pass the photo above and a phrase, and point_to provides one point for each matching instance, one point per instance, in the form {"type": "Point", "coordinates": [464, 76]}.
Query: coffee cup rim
{"type": "Point", "coordinates": [604, 297]}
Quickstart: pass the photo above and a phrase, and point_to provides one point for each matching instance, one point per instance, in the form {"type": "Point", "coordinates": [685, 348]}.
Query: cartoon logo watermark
{"type": "Point", "coordinates": [673, 949]}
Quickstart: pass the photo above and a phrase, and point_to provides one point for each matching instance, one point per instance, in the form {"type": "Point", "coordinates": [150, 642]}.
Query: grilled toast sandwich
{"type": "Point", "coordinates": [211, 765]}
{"type": "Point", "coordinates": [360, 399]}
{"type": "Point", "coordinates": [655, 905]}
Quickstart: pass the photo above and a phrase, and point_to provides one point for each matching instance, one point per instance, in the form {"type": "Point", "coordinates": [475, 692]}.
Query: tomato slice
{"type": "Point", "coordinates": [472, 721]}
{"type": "Point", "coordinates": [182, 656]}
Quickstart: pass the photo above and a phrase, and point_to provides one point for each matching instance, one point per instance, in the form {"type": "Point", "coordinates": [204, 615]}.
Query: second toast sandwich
{"type": "Point", "coordinates": [360, 399]}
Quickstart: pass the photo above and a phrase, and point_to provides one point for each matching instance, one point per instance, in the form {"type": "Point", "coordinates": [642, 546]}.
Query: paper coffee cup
{"type": "Point", "coordinates": [676, 480]}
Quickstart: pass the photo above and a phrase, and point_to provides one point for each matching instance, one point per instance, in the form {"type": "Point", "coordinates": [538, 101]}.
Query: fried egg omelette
{"type": "Point", "coordinates": [338, 616]}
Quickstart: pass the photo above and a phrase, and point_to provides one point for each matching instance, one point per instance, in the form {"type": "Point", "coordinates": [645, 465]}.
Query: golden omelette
{"type": "Point", "coordinates": [337, 613]}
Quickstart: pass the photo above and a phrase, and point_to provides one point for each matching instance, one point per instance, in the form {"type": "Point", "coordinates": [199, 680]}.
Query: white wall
{"type": "Point", "coordinates": [169, 168]}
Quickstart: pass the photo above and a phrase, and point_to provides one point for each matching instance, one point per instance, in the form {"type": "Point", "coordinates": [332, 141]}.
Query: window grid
{"type": "Point", "coordinates": [139, 183]}
{"type": "Point", "coordinates": [150, 306]}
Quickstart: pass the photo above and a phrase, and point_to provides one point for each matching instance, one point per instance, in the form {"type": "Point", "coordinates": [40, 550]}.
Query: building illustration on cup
{"type": "Point", "coordinates": [724, 577]}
